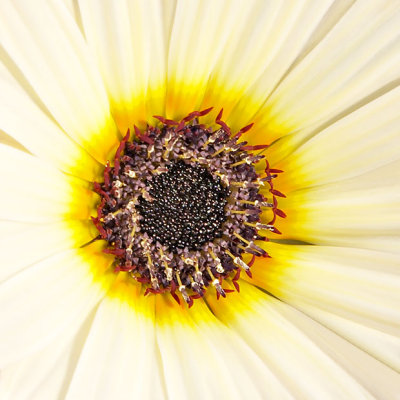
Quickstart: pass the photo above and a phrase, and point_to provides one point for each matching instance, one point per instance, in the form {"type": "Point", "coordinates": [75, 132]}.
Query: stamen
{"type": "Point", "coordinates": [259, 226]}
{"type": "Point", "coordinates": [241, 238]}
{"type": "Point", "coordinates": [247, 160]}
{"type": "Point", "coordinates": [196, 286]}
{"type": "Point", "coordinates": [182, 289]}
{"type": "Point", "coordinates": [228, 148]}
{"type": "Point", "coordinates": [245, 212]}
{"type": "Point", "coordinates": [168, 269]}
{"type": "Point", "coordinates": [213, 138]}
{"type": "Point", "coordinates": [238, 261]}
{"type": "Point", "coordinates": [257, 203]}
{"type": "Point", "coordinates": [219, 267]}
{"type": "Point", "coordinates": [215, 282]}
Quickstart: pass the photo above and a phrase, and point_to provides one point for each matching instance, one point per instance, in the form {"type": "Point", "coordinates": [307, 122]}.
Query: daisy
{"type": "Point", "coordinates": [200, 199]}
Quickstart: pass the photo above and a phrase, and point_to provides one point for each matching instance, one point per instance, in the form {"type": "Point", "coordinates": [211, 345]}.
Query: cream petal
{"type": "Point", "coordinates": [51, 53]}
{"type": "Point", "coordinates": [360, 142]}
{"type": "Point", "coordinates": [382, 346]}
{"type": "Point", "coordinates": [320, 366]}
{"type": "Point", "coordinates": [347, 213]}
{"type": "Point", "coordinates": [34, 242]}
{"type": "Point", "coordinates": [201, 30]}
{"type": "Point", "coordinates": [12, 227]}
{"type": "Point", "coordinates": [10, 141]}
{"type": "Point", "coordinates": [49, 298]}
{"type": "Point", "coordinates": [118, 359]}
{"type": "Point", "coordinates": [47, 373]}
{"type": "Point", "coordinates": [355, 292]}
{"type": "Point", "coordinates": [381, 381]}
{"type": "Point", "coordinates": [73, 8]}
{"type": "Point", "coordinates": [169, 7]}
{"type": "Point", "coordinates": [5, 75]}
{"type": "Point", "coordinates": [203, 359]}
{"type": "Point", "coordinates": [356, 60]}
{"type": "Point", "coordinates": [22, 118]}
{"type": "Point", "coordinates": [131, 54]}
{"type": "Point", "coordinates": [36, 192]}
{"type": "Point", "coordinates": [278, 32]}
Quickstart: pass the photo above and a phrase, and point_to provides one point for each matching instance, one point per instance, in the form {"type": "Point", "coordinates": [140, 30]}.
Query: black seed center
{"type": "Point", "coordinates": [187, 207]}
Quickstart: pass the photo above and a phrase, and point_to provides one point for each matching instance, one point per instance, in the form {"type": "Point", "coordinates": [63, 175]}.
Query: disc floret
{"type": "Point", "coordinates": [181, 206]}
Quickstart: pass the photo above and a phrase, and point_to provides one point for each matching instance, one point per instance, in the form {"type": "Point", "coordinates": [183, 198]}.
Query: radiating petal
{"type": "Point", "coordinates": [10, 141]}
{"type": "Point", "coordinates": [34, 242]}
{"type": "Point", "coordinates": [12, 227]}
{"type": "Point", "coordinates": [73, 8]}
{"type": "Point", "coordinates": [381, 345]}
{"type": "Point", "coordinates": [118, 359]}
{"type": "Point", "coordinates": [268, 37]}
{"type": "Point", "coordinates": [49, 298]}
{"type": "Point", "coordinates": [36, 192]}
{"type": "Point", "coordinates": [127, 39]}
{"type": "Point", "coordinates": [203, 359]}
{"type": "Point", "coordinates": [335, 285]}
{"type": "Point", "coordinates": [360, 142]}
{"type": "Point", "coordinates": [351, 212]}
{"type": "Point", "coordinates": [46, 373]}
{"type": "Point", "coordinates": [60, 69]}
{"type": "Point", "coordinates": [357, 60]}
{"type": "Point", "coordinates": [201, 30]}
{"type": "Point", "coordinates": [322, 366]}
{"type": "Point", "coordinates": [21, 118]}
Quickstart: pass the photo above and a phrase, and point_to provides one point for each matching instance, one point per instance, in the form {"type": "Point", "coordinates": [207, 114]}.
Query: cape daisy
{"type": "Point", "coordinates": [319, 318]}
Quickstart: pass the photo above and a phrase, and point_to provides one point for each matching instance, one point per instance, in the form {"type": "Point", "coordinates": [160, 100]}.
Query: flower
{"type": "Point", "coordinates": [319, 80]}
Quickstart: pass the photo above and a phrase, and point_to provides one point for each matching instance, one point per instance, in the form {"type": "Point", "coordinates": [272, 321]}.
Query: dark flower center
{"type": "Point", "coordinates": [187, 207]}
{"type": "Point", "coordinates": [182, 206]}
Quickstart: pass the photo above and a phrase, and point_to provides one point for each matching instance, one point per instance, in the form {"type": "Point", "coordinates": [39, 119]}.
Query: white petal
{"type": "Point", "coordinates": [36, 192]}
{"type": "Point", "coordinates": [203, 359]}
{"type": "Point", "coordinates": [381, 345]}
{"type": "Point", "coordinates": [50, 51]}
{"type": "Point", "coordinates": [360, 142]}
{"type": "Point", "coordinates": [12, 227]}
{"type": "Point", "coordinates": [358, 58]}
{"type": "Point", "coordinates": [31, 243]}
{"type": "Point", "coordinates": [53, 296]}
{"type": "Point", "coordinates": [118, 359]}
{"type": "Point", "coordinates": [10, 141]}
{"type": "Point", "coordinates": [169, 7]}
{"type": "Point", "coordinates": [75, 12]}
{"type": "Point", "coordinates": [201, 31]}
{"type": "Point", "coordinates": [381, 381]}
{"type": "Point", "coordinates": [309, 368]}
{"type": "Point", "coordinates": [47, 373]}
{"type": "Point", "coordinates": [353, 291]}
{"type": "Point", "coordinates": [22, 118]}
{"type": "Point", "coordinates": [127, 39]}
{"type": "Point", "coordinates": [266, 39]}
{"type": "Point", "coordinates": [351, 212]}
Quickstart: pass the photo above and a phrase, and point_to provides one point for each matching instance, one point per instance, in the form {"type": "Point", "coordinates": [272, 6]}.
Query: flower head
{"type": "Point", "coordinates": [126, 190]}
